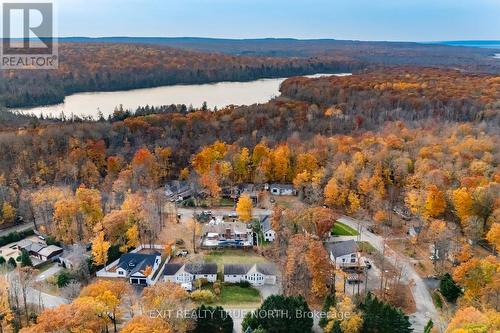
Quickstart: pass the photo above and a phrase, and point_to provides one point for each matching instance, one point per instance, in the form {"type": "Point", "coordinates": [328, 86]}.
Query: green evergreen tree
{"type": "Point", "coordinates": [291, 315]}
{"type": "Point", "coordinates": [449, 289]}
{"type": "Point", "coordinates": [25, 259]}
{"type": "Point", "coordinates": [327, 304]}
{"type": "Point", "coordinates": [212, 320]}
{"type": "Point", "coordinates": [381, 317]}
{"type": "Point", "coordinates": [336, 327]}
{"type": "Point", "coordinates": [2, 260]}
{"type": "Point", "coordinates": [429, 326]}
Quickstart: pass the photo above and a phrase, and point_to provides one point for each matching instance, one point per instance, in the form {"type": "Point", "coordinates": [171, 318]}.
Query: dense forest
{"type": "Point", "coordinates": [108, 67]}
{"type": "Point", "coordinates": [420, 140]}
{"type": "Point", "coordinates": [122, 63]}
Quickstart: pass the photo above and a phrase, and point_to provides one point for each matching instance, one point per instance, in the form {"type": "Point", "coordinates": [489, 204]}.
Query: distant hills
{"type": "Point", "coordinates": [286, 47]}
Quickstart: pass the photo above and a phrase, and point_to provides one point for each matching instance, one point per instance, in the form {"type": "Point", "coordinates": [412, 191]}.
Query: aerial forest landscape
{"type": "Point", "coordinates": [290, 167]}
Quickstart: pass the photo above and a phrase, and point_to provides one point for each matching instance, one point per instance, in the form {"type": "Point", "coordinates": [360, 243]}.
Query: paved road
{"type": "Point", "coordinates": [425, 307]}
{"type": "Point", "coordinates": [18, 228]}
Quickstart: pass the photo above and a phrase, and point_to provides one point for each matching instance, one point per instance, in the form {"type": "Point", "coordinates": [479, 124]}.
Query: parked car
{"type": "Point", "coordinates": [188, 286]}
{"type": "Point", "coordinates": [368, 264]}
{"type": "Point", "coordinates": [207, 212]}
{"type": "Point", "coordinates": [182, 253]}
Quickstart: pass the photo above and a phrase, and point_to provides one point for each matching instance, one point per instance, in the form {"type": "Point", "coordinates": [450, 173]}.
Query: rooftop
{"type": "Point", "coordinates": [342, 248]}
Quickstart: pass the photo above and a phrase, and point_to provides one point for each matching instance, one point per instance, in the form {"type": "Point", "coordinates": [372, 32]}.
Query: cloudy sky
{"type": "Point", "coordinates": [408, 20]}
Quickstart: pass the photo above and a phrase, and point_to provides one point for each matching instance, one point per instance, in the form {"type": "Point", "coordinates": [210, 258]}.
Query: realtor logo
{"type": "Point", "coordinates": [28, 39]}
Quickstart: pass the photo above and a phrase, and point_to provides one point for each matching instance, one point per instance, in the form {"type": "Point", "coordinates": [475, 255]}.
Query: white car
{"type": "Point", "coordinates": [187, 286]}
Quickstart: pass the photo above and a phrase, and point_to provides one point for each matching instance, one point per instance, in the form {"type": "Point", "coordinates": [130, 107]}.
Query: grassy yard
{"type": "Point", "coordinates": [340, 229]}
{"type": "Point", "coordinates": [230, 256]}
{"type": "Point", "coordinates": [238, 295]}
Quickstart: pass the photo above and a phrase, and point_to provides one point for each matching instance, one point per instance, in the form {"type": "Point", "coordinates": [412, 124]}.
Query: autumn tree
{"type": "Point", "coordinates": [144, 169]}
{"type": "Point", "coordinates": [8, 213]}
{"type": "Point", "coordinates": [146, 324]}
{"type": "Point", "coordinates": [320, 268]}
{"type": "Point", "coordinates": [471, 320]}
{"type": "Point", "coordinates": [337, 314]}
{"type": "Point", "coordinates": [100, 249]}
{"type": "Point", "coordinates": [493, 236]}
{"type": "Point", "coordinates": [6, 315]}
{"type": "Point", "coordinates": [480, 279]}
{"type": "Point", "coordinates": [111, 295]}
{"type": "Point", "coordinates": [435, 202]}
{"type": "Point", "coordinates": [165, 297]}
{"type": "Point", "coordinates": [244, 207]}
{"type": "Point", "coordinates": [462, 202]}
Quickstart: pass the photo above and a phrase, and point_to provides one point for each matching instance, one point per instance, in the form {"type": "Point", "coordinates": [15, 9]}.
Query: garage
{"type": "Point", "coordinates": [134, 281]}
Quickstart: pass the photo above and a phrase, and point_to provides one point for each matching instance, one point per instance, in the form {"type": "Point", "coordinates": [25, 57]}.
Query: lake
{"type": "Point", "coordinates": [215, 94]}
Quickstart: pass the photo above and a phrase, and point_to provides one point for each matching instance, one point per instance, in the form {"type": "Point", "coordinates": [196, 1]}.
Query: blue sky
{"type": "Point", "coordinates": [409, 20]}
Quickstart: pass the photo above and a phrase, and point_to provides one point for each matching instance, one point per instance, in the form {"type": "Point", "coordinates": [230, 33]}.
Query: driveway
{"type": "Point", "coordinates": [53, 270]}
{"type": "Point", "coordinates": [425, 307]}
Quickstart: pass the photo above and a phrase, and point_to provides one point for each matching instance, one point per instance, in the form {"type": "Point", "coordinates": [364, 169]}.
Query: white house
{"type": "Point", "coordinates": [257, 274]}
{"type": "Point", "coordinates": [267, 230]}
{"type": "Point", "coordinates": [133, 266]}
{"type": "Point", "coordinates": [179, 273]}
{"type": "Point", "coordinates": [282, 189]}
{"type": "Point", "coordinates": [344, 254]}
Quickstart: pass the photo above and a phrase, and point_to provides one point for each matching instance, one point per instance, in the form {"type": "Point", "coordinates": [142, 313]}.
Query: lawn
{"type": "Point", "coordinates": [238, 295]}
{"type": "Point", "coordinates": [230, 256]}
{"type": "Point", "coordinates": [340, 229]}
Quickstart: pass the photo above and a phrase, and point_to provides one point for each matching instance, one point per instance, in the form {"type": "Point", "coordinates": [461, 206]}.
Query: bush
{"type": "Point", "coordinates": [437, 300]}
{"type": "Point", "coordinates": [50, 240]}
{"type": "Point", "coordinates": [217, 288]}
{"type": "Point", "coordinates": [203, 296]}
{"type": "Point", "coordinates": [12, 263]}
{"type": "Point", "coordinates": [2, 260]}
{"type": "Point", "coordinates": [63, 279]}
{"type": "Point", "coordinates": [244, 284]}
{"type": "Point", "coordinates": [198, 283]}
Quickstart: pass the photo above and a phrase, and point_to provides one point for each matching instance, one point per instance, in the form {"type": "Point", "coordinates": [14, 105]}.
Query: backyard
{"type": "Point", "coordinates": [341, 229]}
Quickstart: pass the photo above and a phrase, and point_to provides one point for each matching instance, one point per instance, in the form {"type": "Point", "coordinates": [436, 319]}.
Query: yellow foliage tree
{"type": "Point", "coordinates": [354, 202]}
{"type": "Point", "coordinates": [146, 324]}
{"type": "Point", "coordinates": [493, 236]}
{"type": "Point", "coordinates": [244, 208]}
{"type": "Point", "coordinates": [471, 320]}
{"type": "Point", "coordinates": [132, 235]}
{"type": "Point", "coordinates": [6, 315]}
{"type": "Point", "coordinates": [349, 324]}
{"type": "Point", "coordinates": [462, 202]}
{"type": "Point", "coordinates": [435, 202]}
{"type": "Point", "coordinates": [8, 213]}
{"type": "Point", "coordinates": [100, 249]}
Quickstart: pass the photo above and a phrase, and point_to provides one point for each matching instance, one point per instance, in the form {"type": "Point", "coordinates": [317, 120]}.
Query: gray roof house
{"type": "Point", "coordinates": [344, 254]}
{"type": "Point", "coordinates": [282, 189]}
{"type": "Point", "coordinates": [180, 273]}
{"type": "Point", "coordinates": [256, 274]}
{"type": "Point", "coordinates": [267, 230]}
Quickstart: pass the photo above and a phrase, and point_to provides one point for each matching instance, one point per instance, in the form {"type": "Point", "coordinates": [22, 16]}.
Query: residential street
{"type": "Point", "coordinates": [18, 228]}
{"type": "Point", "coordinates": [425, 307]}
